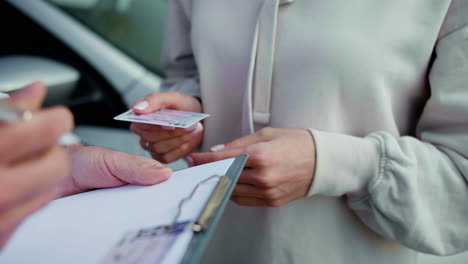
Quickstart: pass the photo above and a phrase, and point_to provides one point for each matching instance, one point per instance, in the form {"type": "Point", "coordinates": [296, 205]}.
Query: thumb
{"type": "Point", "coordinates": [154, 102]}
{"type": "Point", "coordinates": [30, 97]}
{"type": "Point", "coordinates": [134, 169]}
{"type": "Point", "coordinates": [96, 167]}
{"type": "Point", "coordinates": [167, 100]}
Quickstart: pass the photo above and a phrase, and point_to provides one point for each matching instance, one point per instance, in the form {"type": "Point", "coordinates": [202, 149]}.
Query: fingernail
{"type": "Point", "coordinates": [141, 105]}
{"type": "Point", "coordinates": [197, 128]}
{"type": "Point", "coordinates": [217, 147]}
{"type": "Point", "coordinates": [158, 165]}
{"type": "Point", "coordinates": [191, 128]}
{"type": "Point", "coordinates": [168, 127]}
{"type": "Point", "coordinates": [190, 162]}
{"type": "Point", "coordinates": [68, 139]}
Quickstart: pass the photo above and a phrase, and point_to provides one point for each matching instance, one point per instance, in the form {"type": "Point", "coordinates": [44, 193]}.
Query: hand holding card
{"type": "Point", "coordinates": [171, 133]}
{"type": "Point", "coordinates": [164, 117]}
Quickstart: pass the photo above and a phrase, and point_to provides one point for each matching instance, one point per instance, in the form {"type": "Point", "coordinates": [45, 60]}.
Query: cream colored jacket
{"type": "Point", "coordinates": [383, 88]}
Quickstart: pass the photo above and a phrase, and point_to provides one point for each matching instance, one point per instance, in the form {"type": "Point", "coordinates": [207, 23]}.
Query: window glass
{"type": "Point", "coordinates": [134, 26]}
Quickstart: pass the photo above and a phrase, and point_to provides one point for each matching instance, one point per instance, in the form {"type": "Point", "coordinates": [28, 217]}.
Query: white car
{"type": "Point", "coordinates": [107, 53]}
{"type": "Point", "coordinates": [96, 56]}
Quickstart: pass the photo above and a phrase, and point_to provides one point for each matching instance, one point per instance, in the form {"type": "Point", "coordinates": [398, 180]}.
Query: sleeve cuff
{"type": "Point", "coordinates": [344, 164]}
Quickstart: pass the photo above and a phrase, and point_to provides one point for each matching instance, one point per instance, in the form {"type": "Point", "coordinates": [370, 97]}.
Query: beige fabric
{"type": "Point", "coordinates": [383, 88]}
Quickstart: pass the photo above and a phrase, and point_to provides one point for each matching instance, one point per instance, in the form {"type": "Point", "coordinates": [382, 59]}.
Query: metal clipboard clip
{"type": "Point", "coordinates": [211, 205]}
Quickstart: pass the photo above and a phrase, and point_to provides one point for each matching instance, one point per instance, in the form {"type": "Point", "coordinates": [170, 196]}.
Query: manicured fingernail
{"type": "Point", "coordinates": [68, 139]}
{"type": "Point", "coordinates": [197, 128]}
{"type": "Point", "coordinates": [217, 147]}
{"type": "Point", "coordinates": [190, 161]}
{"type": "Point", "coordinates": [168, 127]}
{"type": "Point", "coordinates": [191, 128]}
{"type": "Point", "coordinates": [141, 105]}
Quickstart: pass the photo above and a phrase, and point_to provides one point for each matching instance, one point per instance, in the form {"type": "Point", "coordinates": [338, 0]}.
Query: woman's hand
{"type": "Point", "coordinates": [96, 167]}
{"type": "Point", "coordinates": [167, 144]}
{"type": "Point", "coordinates": [280, 168]}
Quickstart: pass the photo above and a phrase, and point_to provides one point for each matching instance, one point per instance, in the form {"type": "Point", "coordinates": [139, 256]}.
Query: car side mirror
{"type": "Point", "coordinates": [17, 71]}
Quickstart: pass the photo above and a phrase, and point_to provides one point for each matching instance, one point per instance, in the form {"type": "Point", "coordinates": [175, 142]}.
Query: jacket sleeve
{"type": "Point", "coordinates": [413, 190]}
{"type": "Point", "coordinates": [178, 61]}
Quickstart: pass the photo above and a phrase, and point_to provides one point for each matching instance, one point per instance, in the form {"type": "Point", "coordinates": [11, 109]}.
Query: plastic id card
{"type": "Point", "coordinates": [148, 245]}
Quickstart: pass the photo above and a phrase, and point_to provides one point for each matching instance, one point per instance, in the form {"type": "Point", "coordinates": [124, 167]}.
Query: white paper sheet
{"type": "Point", "coordinates": [83, 228]}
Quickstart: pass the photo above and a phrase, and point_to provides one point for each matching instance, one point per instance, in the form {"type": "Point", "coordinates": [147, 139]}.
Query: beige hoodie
{"type": "Point", "coordinates": [383, 88]}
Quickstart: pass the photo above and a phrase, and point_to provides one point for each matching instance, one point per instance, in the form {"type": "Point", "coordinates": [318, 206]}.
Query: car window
{"type": "Point", "coordinates": [134, 26]}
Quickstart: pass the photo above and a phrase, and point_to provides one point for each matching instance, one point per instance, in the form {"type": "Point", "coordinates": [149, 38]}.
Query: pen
{"type": "Point", "coordinates": [10, 113]}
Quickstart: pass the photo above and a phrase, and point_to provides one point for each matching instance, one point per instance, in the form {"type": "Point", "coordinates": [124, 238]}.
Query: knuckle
{"type": "Point", "coordinates": [257, 155]}
{"type": "Point", "coordinates": [166, 158]}
{"type": "Point", "coordinates": [265, 132]}
{"type": "Point", "coordinates": [270, 193]}
{"type": "Point", "coordinates": [263, 182]}
{"type": "Point", "coordinates": [184, 147]}
{"type": "Point", "coordinates": [234, 143]}
{"type": "Point", "coordinates": [157, 147]}
{"type": "Point", "coordinates": [265, 179]}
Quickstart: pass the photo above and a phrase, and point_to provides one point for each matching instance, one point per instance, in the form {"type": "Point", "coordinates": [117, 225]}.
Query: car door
{"type": "Point", "coordinates": [119, 40]}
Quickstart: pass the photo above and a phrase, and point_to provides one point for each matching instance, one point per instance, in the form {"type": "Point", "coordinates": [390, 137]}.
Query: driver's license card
{"type": "Point", "coordinates": [164, 117]}
{"type": "Point", "coordinates": [149, 245]}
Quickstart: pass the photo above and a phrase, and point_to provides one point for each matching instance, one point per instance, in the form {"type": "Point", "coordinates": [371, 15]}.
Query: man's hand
{"type": "Point", "coordinates": [279, 170]}
{"type": "Point", "coordinates": [31, 165]}
{"type": "Point", "coordinates": [96, 167]}
{"type": "Point", "coordinates": [167, 144]}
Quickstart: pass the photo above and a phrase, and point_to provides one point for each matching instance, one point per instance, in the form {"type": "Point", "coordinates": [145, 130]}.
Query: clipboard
{"type": "Point", "coordinates": [200, 240]}
{"type": "Point", "coordinates": [83, 229]}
